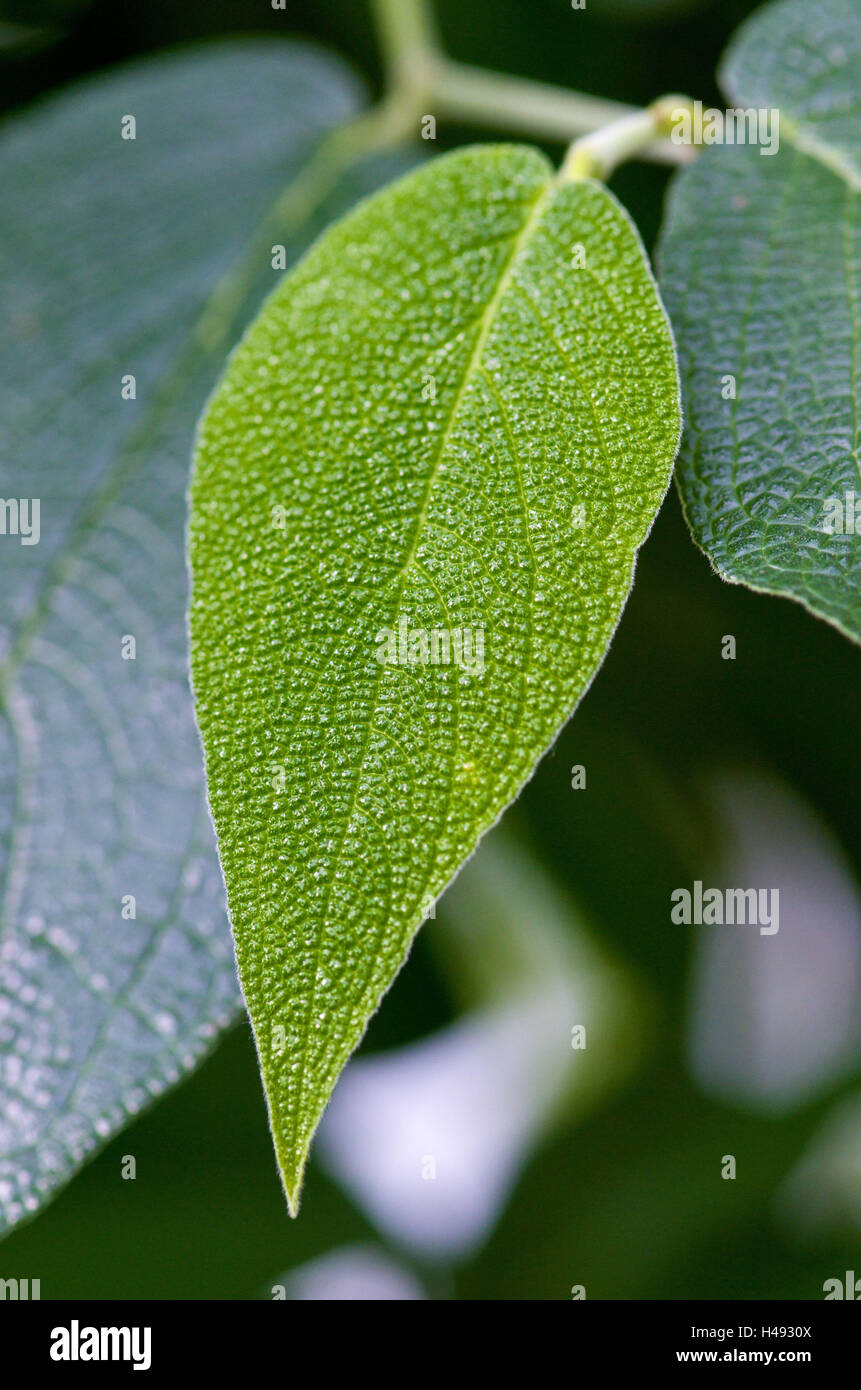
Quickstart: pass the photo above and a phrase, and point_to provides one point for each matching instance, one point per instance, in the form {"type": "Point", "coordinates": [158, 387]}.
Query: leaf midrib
{"type": "Point", "coordinates": [486, 323]}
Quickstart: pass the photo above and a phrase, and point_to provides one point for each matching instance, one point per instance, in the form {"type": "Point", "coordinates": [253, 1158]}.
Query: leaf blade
{"type": "Point", "coordinates": [760, 263]}
{"type": "Point", "coordinates": [323, 401]}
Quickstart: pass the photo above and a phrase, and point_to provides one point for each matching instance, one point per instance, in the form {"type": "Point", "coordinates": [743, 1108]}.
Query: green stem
{"type": "Point", "coordinates": [474, 96]}
{"type": "Point", "coordinates": [421, 80]}
{"type": "Point", "coordinates": [408, 39]}
{"type": "Point", "coordinates": [596, 155]}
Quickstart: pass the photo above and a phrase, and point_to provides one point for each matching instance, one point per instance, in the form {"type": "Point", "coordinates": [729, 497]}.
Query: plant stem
{"type": "Point", "coordinates": [408, 39]}
{"type": "Point", "coordinates": [473, 95]}
{"type": "Point", "coordinates": [596, 155]}
{"type": "Point", "coordinates": [421, 79]}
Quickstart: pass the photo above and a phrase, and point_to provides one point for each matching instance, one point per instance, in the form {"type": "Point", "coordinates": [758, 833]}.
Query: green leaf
{"type": "Point", "coordinates": [441, 423]}
{"type": "Point", "coordinates": [109, 252]}
{"type": "Point", "coordinates": [761, 269]}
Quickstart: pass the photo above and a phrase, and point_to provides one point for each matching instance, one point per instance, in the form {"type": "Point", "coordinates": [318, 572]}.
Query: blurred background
{"type": "Point", "coordinates": [548, 1099]}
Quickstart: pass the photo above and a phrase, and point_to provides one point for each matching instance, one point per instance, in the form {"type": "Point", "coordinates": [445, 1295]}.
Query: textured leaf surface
{"type": "Point", "coordinates": [109, 250]}
{"type": "Point", "coordinates": [761, 269]}
{"type": "Point", "coordinates": [438, 424]}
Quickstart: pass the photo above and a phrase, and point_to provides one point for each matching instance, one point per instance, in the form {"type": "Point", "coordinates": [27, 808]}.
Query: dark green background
{"type": "Point", "coordinates": [629, 1202]}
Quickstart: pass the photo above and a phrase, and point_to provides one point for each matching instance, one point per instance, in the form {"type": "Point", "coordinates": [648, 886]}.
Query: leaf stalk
{"type": "Point", "coordinates": [597, 154]}
{"type": "Point", "coordinates": [422, 80]}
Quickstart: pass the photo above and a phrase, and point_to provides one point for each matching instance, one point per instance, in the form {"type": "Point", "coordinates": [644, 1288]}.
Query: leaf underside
{"type": "Point", "coordinates": [441, 423]}
{"type": "Point", "coordinates": [760, 264]}
{"type": "Point", "coordinates": [109, 251]}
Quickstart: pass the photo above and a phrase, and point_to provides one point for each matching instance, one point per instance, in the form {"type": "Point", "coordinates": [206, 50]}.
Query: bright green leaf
{"type": "Point", "coordinates": [761, 268]}
{"type": "Point", "coordinates": [418, 495]}
{"type": "Point", "coordinates": [109, 251]}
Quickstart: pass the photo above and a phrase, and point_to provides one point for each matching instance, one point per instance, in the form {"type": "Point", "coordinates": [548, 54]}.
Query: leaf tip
{"type": "Point", "coordinates": [292, 1180]}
